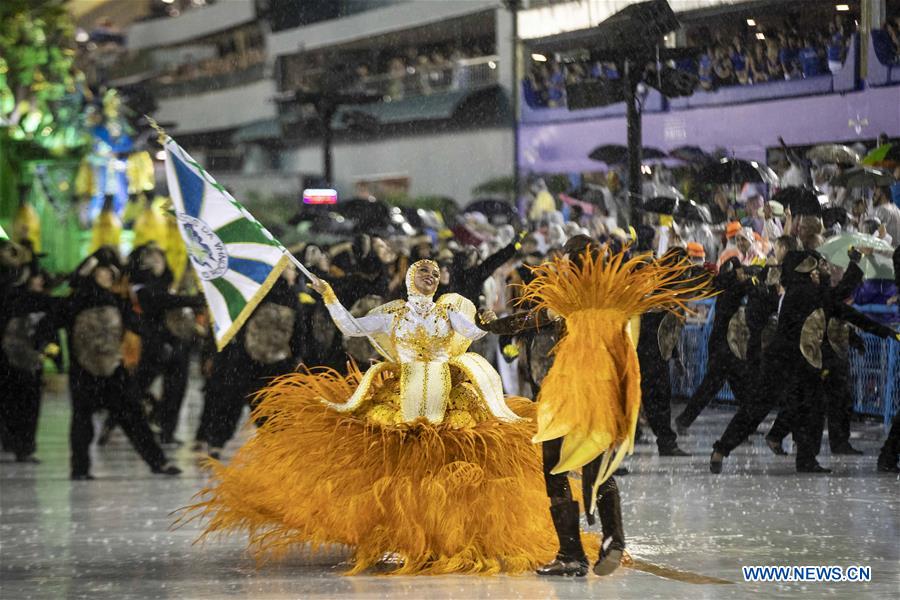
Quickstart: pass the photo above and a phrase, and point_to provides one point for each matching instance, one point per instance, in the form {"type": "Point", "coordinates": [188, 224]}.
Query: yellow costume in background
{"type": "Point", "coordinates": [420, 458]}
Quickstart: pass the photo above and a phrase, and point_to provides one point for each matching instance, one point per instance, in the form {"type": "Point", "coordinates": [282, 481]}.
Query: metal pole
{"type": "Point", "coordinates": [516, 96]}
{"type": "Point", "coordinates": [633, 120]}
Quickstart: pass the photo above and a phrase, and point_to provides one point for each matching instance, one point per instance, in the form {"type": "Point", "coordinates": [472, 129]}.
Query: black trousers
{"type": "Point", "coordinates": [890, 451]}
{"type": "Point", "coordinates": [20, 405]}
{"type": "Point", "coordinates": [839, 405]}
{"type": "Point", "coordinates": [228, 390]}
{"type": "Point", "coordinates": [113, 393]}
{"type": "Point", "coordinates": [721, 366]}
{"type": "Point", "coordinates": [799, 388]}
{"type": "Point", "coordinates": [171, 361]}
{"type": "Point", "coordinates": [656, 398]}
{"type": "Point", "coordinates": [608, 499]}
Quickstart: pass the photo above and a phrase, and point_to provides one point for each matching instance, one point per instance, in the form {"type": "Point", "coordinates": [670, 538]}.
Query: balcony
{"type": "Point", "coordinates": [193, 24]}
{"type": "Point", "coordinates": [424, 94]}
{"type": "Point", "coordinates": [221, 109]}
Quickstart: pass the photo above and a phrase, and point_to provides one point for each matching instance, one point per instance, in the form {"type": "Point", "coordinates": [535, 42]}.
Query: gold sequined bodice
{"type": "Point", "coordinates": [422, 336]}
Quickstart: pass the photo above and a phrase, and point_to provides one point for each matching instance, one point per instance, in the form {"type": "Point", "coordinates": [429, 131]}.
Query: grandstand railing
{"type": "Point", "coordinates": [421, 81]}
{"type": "Point", "coordinates": [874, 374]}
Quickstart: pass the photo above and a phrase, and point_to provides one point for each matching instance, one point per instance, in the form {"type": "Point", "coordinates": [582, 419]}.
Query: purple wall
{"type": "Point", "coordinates": [744, 129]}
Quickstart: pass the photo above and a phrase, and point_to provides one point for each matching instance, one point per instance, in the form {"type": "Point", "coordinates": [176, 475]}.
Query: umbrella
{"type": "Point", "coordinates": [688, 210]}
{"type": "Point", "coordinates": [497, 211]}
{"type": "Point", "coordinates": [801, 201]}
{"type": "Point", "coordinates": [737, 170]}
{"type": "Point", "coordinates": [837, 154]}
{"type": "Point", "coordinates": [863, 177]}
{"type": "Point", "coordinates": [615, 154]}
{"type": "Point", "coordinates": [885, 153]}
{"type": "Point", "coordinates": [690, 154]}
{"type": "Point", "coordinates": [874, 266]}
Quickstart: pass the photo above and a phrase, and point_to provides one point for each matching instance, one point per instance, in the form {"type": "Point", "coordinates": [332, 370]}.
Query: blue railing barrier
{"type": "Point", "coordinates": [874, 375]}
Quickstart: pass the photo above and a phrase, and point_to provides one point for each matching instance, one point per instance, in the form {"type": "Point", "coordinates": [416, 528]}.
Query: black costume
{"type": "Point", "coordinates": [792, 368]}
{"type": "Point", "coordinates": [269, 345]}
{"type": "Point", "coordinates": [26, 328]}
{"type": "Point", "coordinates": [467, 278]}
{"type": "Point", "coordinates": [166, 326]}
{"type": "Point", "coordinates": [727, 353]}
{"type": "Point", "coordinates": [659, 335]}
{"type": "Point", "coordinates": [95, 320]}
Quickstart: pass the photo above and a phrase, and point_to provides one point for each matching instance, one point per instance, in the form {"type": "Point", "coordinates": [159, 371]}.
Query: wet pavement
{"type": "Point", "coordinates": [112, 538]}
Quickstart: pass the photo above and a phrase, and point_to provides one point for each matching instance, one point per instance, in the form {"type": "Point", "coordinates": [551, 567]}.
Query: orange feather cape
{"type": "Point", "coordinates": [591, 396]}
{"type": "Point", "coordinates": [446, 500]}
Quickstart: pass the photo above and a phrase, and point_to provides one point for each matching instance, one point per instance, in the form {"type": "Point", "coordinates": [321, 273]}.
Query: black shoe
{"type": "Point", "coordinates": [81, 477]}
{"type": "Point", "coordinates": [166, 469]}
{"type": "Point", "coordinates": [847, 450]}
{"type": "Point", "coordinates": [775, 447]}
{"type": "Point", "coordinates": [562, 566]}
{"type": "Point", "coordinates": [715, 464]}
{"type": "Point", "coordinates": [609, 562]}
{"type": "Point", "coordinates": [886, 467]}
{"type": "Point", "coordinates": [673, 451]}
{"type": "Point", "coordinates": [30, 459]}
{"type": "Point", "coordinates": [621, 471]}
{"type": "Point", "coordinates": [813, 468]}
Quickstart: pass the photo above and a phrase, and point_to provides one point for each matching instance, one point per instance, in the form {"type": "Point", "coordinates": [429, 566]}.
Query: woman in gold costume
{"type": "Point", "coordinates": [421, 458]}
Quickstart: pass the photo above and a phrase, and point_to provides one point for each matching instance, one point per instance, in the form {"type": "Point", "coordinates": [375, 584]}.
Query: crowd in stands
{"type": "Point", "coordinates": [756, 55]}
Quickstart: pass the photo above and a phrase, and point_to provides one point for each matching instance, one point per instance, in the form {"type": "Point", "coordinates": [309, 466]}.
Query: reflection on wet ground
{"type": "Point", "coordinates": [111, 538]}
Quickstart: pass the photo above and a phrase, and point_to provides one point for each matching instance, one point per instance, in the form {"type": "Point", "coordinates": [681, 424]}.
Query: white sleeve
{"type": "Point", "coordinates": [463, 326]}
{"type": "Point", "coordinates": [360, 326]}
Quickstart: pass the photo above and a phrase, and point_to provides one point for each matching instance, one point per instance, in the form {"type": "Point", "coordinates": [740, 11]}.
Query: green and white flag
{"type": "Point", "coordinates": [236, 259]}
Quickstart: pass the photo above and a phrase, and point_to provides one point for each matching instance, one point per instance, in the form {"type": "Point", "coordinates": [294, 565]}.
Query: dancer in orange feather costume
{"type": "Point", "coordinates": [588, 402]}
{"type": "Point", "coordinates": [420, 458]}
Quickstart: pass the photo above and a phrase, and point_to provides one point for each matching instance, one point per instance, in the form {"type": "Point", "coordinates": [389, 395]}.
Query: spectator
{"type": "Point", "coordinates": [759, 68]}
{"type": "Point", "coordinates": [809, 59]}
{"type": "Point", "coordinates": [887, 213]}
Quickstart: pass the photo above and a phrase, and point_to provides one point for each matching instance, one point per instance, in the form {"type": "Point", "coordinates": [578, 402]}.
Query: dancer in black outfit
{"type": "Point", "coordinates": [793, 368]}
{"type": "Point", "coordinates": [269, 345]}
{"type": "Point", "coordinates": [95, 319]}
{"type": "Point", "coordinates": [167, 325]}
{"type": "Point", "coordinates": [27, 335]}
{"type": "Point", "coordinates": [723, 364]}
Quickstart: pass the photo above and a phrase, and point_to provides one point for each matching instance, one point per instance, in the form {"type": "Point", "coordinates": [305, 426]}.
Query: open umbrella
{"type": "Point", "coordinates": [497, 211]}
{"type": "Point", "coordinates": [616, 154]}
{"type": "Point", "coordinates": [688, 210]}
{"type": "Point", "coordinates": [800, 200]}
{"type": "Point", "coordinates": [837, 154]}
{"type": "Point", "coordinates": [882, 155]}
{"type": "Point", "coordinates": [874, 266]}
{"type": "Point", "coordinates": [690, 154]}
{"type": "Point", "coordinates": [684, 210]}
{"type": "Point", "coordinates": [737, 170]}
{"type": "Point", "coordinates": [863, 177]}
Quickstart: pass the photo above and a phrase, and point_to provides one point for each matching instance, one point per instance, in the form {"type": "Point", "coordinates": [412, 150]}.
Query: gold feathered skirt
{"type": "Point", "coordinates": [442, 499]}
